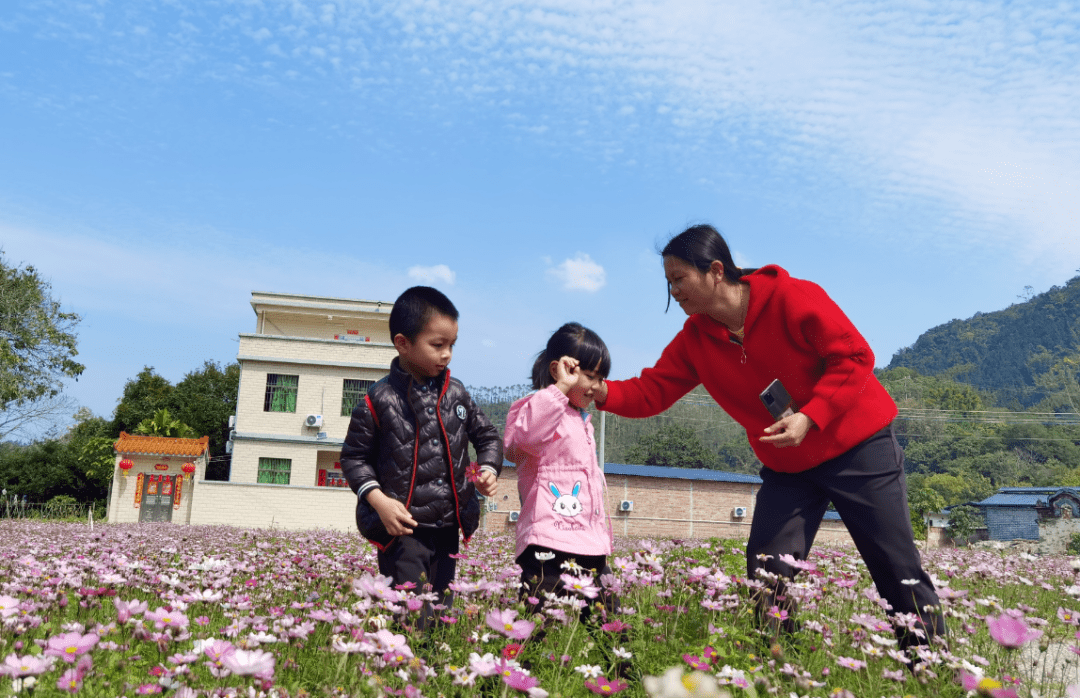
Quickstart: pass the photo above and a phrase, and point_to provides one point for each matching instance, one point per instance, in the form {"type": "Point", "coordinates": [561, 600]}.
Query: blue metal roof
{"type": "Point", "coordinates": [1005, 499]}
{"type": "Point", "coordinates": [677, 473]}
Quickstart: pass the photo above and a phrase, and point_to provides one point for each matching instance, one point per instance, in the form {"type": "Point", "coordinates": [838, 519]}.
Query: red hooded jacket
{"type": "Point", "coordinates": [793, 332]}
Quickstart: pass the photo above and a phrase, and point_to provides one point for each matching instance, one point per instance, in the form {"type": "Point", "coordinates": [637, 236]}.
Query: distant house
{"type": "Point", "coordinates": [1022, 513]}
{"type": "Point", "coordinates": [155, 478]}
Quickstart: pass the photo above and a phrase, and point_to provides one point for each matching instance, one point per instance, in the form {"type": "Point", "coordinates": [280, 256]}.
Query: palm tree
{"type": "Point", "coordinates": [164, 424]}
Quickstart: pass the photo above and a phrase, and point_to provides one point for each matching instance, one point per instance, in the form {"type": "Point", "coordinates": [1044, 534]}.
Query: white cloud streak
{"type": "Point", "coordinates": [957, 122]}
{"type": "Point", "coordinates": [579, 274]}
{"type": "Point", "coordinates": [440, 273]}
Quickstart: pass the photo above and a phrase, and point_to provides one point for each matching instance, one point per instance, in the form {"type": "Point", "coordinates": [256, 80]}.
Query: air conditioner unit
{"type": "Point", "coordinates": [228, 447]}
{"type": "Point", "coordinates": [626, 505]}
{"type": "Point", "coordinates": [514, 516]}
{"type": "Point", "coordinates": [232, 421]}
{"type": "Point", "coordinates": [740, 512]}
{"type": "Point", "coordinates": [313, 420]}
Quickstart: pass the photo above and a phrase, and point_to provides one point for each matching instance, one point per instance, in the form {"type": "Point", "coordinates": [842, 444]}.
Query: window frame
{"type": "Point", "coordinates": [365, 386]}
{"type": "Point", "coordinates": [279, 394]}
{"type": "Point", "coordinates": [273, 469]}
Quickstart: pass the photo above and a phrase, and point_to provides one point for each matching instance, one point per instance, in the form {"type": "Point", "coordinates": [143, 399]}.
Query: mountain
{"type": "Point", "coordinates": [1006, 351]}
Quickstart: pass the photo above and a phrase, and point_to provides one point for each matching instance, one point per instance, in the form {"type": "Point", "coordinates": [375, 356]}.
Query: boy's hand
{"type": "Point", "coordinates": [395, 517]}
{"type": "Point", "coordinates": [486, 483]}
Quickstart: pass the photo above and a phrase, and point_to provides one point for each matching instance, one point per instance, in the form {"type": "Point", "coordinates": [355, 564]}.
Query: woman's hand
{"type": "Point", "coordinates": [789, 431]}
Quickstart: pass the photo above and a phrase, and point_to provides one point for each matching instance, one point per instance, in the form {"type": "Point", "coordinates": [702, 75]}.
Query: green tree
{"type": "Point", "coordinates": [163, 423]}
{"type": "Point", "coordinates": [37, 339]}
{"type": "Point", "coordinates": [921, 503]}
{"type": "Point", "coordinates": [672, 445]}
{"type": "Point", "coordinates": [143, 396]}
{"type": "Point", "coordinates": [205, 399]}
{"type": "Point", "coordinates": [963, 521]}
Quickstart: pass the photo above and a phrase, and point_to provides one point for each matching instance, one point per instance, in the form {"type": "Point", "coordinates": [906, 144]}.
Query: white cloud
{"type": "Point", "coordinates": [579, 274]}
{"type": "Point", "coordinates": [433, 275]}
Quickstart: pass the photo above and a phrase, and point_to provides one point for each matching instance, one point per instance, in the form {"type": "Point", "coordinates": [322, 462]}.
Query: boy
{"type": "Point", "coordinates": [406, 452]}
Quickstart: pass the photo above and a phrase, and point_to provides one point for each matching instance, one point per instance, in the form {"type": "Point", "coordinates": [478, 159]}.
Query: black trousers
{"type": "Point", "coordinates": [544, 575]}
{"type": "Point", "coordinates": [868, 489]}
{"type": "Point", "coordinates": [423, 558]}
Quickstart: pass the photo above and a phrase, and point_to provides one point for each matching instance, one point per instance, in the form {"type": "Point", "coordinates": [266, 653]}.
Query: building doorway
{"type": "Point", "coordinates": [157, 498]}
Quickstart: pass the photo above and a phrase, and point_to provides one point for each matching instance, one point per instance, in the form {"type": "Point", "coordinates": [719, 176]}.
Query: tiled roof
{"type": "Point", "coordinates": [1009, 499]}
{"type": "Point", "coordinates": [160, 445]}
{"type": "Point", "coordinates": [677, 473]}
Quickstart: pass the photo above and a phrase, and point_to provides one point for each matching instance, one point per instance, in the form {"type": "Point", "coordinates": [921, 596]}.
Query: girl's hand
{"type": "Point", "coordinates": [789, 431]}
{"type": "Point", "coordinates": [565, 373]}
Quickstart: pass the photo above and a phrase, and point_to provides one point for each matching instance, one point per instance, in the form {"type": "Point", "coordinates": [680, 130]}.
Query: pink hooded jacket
{"type": "Point", "coordinates": [559, 479]}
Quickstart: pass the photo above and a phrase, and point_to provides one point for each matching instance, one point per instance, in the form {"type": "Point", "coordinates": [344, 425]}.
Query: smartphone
{"type": "Point", "coordinates": [777, 400]}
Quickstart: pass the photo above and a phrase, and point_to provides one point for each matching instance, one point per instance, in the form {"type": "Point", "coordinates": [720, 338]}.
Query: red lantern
{"type": "Point", "coordinates": [126, 465]}
{"type": "Point", "coordinates": [188, 469]}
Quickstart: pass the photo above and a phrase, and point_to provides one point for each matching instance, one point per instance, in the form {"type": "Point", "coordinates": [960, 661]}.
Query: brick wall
{"type": "Point", "coordinates": [665, 508]}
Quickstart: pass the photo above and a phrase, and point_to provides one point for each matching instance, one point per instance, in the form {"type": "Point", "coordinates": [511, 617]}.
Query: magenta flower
{"type": "Point", "coordinates": [505, 622]}
{"type": "Point", "coordinates": [615, 626]}
{"type": "Point", "coordinates": [520, 681]}
{"type": "Point", "coordinates": [602, 687]}
{"type": "Point", "coordinates": [696, 662]}
{"type": "Point", "coordinates": [472, 472]}
{"type": "Point", "coordinates": [68, 646]}
{"type": "Point", "coordinates": [778, 613]}
{"type": "Point", "coordinates": [126, 609]}
{"type": "Point", "coordinates": [1011, 632]}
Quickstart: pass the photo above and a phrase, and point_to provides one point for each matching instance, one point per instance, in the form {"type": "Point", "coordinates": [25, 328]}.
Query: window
{"type": "Point", "coordinates": [280, 393]}
{"type": "Point", "coordinates": [352, 393]}
{"type": "Point", "coordinates": [274, 471]}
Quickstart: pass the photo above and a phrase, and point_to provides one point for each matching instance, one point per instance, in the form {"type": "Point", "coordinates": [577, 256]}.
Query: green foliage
{"type": "Point", "coordinates": [37, 341]}
{"type": "Point", "coordinates": [963, 521]}
{"type": "Point", "coordinates": [1073, 548]}
{"type": "Point", "coordinates": [164, 424]}
{"type": "Point", "coordinates": [1006, 352]}
{"type": "Point", "coordinates": [143, 396]}
{"type": "Point", "coordinates": [921, 503]}
{"type": "Point", "coordinates": [205, 399]}
{"type": "Point", "coordinates": [672, 445]}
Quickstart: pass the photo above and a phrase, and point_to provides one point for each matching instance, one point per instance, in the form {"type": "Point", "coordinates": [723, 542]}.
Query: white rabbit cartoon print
{"type": "Point", "coordinates": [567, 506]}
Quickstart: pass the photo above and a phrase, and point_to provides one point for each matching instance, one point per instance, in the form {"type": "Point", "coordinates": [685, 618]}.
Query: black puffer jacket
{"type": "Point", "coordinates": [402, 449]}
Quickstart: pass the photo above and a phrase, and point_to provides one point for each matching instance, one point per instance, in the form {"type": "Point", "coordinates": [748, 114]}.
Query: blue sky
{"type": "Point", "coordinates": [160, 160]}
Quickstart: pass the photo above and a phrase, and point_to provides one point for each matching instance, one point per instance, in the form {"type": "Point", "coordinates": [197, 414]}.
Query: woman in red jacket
{"type": "Point", "coordinates": [747, 328]}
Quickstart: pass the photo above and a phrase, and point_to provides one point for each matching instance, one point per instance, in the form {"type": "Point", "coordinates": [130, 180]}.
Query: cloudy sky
{"type": "Point", "coordinates": [160, 160]}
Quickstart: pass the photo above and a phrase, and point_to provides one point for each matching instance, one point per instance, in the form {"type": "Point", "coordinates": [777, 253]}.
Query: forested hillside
{"type": "Point", "coordinates": [1006, 353]}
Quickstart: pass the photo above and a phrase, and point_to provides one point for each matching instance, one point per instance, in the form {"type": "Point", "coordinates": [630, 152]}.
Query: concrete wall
{"type": "Point", "coordinates": [281, 506]}
{"type": "Point", "coordinates": [122, 494]}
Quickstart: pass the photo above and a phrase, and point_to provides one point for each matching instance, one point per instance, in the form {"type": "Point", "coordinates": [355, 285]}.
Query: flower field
{"type": "Point", "coordinates": [125, 610]}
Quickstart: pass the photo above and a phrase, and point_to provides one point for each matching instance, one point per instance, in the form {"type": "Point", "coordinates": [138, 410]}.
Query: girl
{"type": "Point", "coordinates": [550, 438]}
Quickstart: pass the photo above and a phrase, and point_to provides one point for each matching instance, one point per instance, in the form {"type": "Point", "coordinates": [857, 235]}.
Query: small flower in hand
{"type": "Point", "coordinates": [472, 472]}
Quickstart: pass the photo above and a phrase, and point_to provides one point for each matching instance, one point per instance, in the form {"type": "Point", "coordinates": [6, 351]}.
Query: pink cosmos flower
{"type": "Point", "coordinates": [30, 665]}
{"type": "Point", "coordinates": [125, 610]}
{"type": "Point", "coordinates": [162, 619]}
{"type": "Point", "coordinates": [505, 622]}
{"type": "Point", "coordinates": [1067, 616]}
{"type": "Point", "coordinates": [68, 646]}
{"type": "Point", "coordinates": [696, 662]}
{"type": "Point", "coordinates": [582, 585]}
{"type": "Point", "coordinates": [615, 626]}
{"type": "Point", "coordinates": [255, 663]}
{"type": "Point", "coordinates": [520, 681]}
{"type": "Point", "coordinates": [472, 472]}
{"type": "Point", "coordinates": [985, 686]}
{"type": "Point", "coordinates": [9, 606]}
{"type": "Point", "coordinates": [1011, 632]}
{"type": "Point", "coordinates": [602, 687]}
{"type": "Point", "coordinates": [72, 679]}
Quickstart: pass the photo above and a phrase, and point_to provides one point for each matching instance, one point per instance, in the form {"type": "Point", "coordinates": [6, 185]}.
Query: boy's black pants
{"type": "Point", "coordinates": [868, 489]}
{"type": "Point", "coordinates": [423, 558]}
